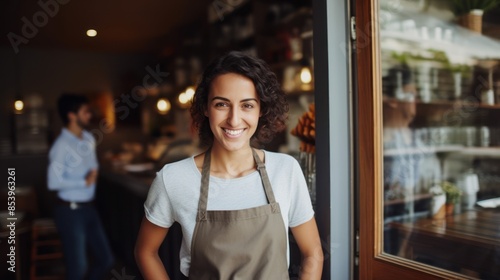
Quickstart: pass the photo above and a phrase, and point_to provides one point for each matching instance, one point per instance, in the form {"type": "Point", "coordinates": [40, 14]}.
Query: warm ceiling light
{"type": "Point", "coordinates": [183, 98]}
{"type": "Point", "coordinates": [19, 105]}
{"type": "Point", "coordinates": [163, 105]}
{"type": "Point", "coordinates": [190, 92]}
{"type": "Point", "coordinates": [91, 33]}
{"type": "Point", "coordinates": [305, 75]}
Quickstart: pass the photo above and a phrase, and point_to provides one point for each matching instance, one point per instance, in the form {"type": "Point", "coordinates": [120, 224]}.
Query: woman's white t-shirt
{"type": "Point", "coordinates": [174, 194]}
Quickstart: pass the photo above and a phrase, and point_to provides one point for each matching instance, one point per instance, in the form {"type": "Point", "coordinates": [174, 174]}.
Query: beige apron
{"type": "Point", "coordinates": [239, 244]}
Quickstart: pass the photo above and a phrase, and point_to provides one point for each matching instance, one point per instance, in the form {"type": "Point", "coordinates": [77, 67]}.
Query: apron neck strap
{"type": "Point", "coordinates": [205, 179]}
{"type": "Point", "coordinates": [261, 167]}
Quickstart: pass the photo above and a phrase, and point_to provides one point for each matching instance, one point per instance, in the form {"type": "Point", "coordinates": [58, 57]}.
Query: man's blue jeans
{"type": "Point", "coordinates": [80, 229]}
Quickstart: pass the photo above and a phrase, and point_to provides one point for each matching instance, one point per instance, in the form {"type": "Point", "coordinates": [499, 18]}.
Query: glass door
{"type": "Point", "coordinates": [429, 138]}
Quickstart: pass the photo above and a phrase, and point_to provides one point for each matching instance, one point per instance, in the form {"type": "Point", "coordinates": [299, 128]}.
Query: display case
{"type": "Point", "coordinates": [439, 185]}
{"type": "Point", "coordinates": [441, 139]}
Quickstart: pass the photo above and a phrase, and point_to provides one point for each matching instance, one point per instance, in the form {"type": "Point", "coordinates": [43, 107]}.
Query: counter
{"type": "Point", "coordinates": [120, 197]}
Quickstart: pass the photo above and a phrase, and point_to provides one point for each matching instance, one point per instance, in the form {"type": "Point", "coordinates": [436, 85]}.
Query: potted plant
{"type": "Point", "coordinates": [453, 194]}
{"type": "Point", "coordinates": [470, 12]}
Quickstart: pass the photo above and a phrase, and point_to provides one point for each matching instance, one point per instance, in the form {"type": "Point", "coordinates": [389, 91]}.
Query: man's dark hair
{"type": "Point", "coordinates": [70, 103]}
{"type": "Point", "coordinates": [274, 106]}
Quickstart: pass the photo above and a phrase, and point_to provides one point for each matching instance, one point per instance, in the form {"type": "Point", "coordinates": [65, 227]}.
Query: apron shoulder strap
{"type": "Point", "coordinates": [261, 167]}
{"type": "Point", "coordinates": [205, 178]}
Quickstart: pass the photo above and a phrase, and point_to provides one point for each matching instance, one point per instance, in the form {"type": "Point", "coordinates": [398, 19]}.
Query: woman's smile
{"type": "Point", "coordinates": [233, 133]}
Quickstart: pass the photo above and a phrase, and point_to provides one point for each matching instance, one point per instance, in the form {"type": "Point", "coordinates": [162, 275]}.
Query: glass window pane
{"type": "Point", "coordinates": [441, 133]}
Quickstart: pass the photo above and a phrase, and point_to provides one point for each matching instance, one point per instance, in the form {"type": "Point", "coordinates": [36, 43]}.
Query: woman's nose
{"type": "Point", "coordinates": [233, 118]}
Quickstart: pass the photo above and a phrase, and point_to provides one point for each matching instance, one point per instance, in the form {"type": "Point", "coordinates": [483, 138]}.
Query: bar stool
{"type": "Point", "coordinates": [46, 251]}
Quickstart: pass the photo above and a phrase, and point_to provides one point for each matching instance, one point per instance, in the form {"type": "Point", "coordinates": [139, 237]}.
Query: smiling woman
{"type": "Point", "coordinates": [256, 79]}
{"type": "Point", "coordinates": [233, 202]}
{"type": "Point", "coordinates": [233, 110]}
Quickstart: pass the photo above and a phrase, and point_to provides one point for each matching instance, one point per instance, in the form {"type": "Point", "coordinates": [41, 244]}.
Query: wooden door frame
{"type": "Point", "coordinates": [373, 263]}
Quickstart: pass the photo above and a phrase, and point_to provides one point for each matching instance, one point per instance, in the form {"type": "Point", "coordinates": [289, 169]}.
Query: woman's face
{"type": "Point", "coordinates": [233, 111]}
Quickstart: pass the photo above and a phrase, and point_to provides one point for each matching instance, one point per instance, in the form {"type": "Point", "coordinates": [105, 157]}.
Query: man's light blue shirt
{"type": "Point", "coordinates": [70, 160]}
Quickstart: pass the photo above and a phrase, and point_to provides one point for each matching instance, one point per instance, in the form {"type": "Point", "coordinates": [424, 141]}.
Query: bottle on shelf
{"type": "Point", "coordinates": [296, 45]}
{"type": "Point", "coordinates": [488, 95]}
{"type": "Point", "coordinates": [484, 136]}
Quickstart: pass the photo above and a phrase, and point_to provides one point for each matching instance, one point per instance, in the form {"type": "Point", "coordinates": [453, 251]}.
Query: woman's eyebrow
{"type": "Point", "coordinates": [249, 99]}
{"type": "Point", "coordinates": [221, 98]}
{"type": "Point", "coordinates": [227, 100]}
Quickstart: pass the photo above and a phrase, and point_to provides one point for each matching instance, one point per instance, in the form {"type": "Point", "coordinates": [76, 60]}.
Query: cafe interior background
{"type": "Point", "coordinates": [139, 63]}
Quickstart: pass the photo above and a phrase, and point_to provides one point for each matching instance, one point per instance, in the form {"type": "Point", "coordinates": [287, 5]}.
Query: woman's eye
{"type": "Point", "coordinates": [248, 106]}
{"type": "Point", "coordinates": [220, 104]}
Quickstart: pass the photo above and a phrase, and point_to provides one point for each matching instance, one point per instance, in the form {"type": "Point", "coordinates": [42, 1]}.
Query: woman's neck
{"type": "Point", "coordinates": [231, 164]}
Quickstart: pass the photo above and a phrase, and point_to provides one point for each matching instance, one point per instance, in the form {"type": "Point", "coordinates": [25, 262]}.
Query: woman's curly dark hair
{"type": "Point", "coordinates": [273, 104]}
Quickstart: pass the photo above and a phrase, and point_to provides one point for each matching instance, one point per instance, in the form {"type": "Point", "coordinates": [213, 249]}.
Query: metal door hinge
{"type": "Point", "coordinates": [353, 28]}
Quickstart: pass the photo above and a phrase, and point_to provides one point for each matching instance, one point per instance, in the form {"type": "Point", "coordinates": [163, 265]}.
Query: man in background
{"type": "Point", "coordinates": [72, 173]}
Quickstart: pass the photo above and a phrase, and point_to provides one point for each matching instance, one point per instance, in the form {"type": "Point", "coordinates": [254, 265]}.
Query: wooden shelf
{"type": "Point", "coordinates": [458, 149]}
{"type": "Point", "coordinates": [446, 103]}
{"type": "Point", "coordinates": [424, 150]}
{"type": "Point", "coordinates": [416, 197]}
{"type": "Point", "coordinates": [459, 103]}
{"type": "Point", "coordinates": [481, 151]}
{"type": "Point", "coordinates": [299, 92]}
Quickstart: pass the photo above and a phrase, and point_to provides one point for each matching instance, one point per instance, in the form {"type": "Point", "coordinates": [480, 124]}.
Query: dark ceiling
{"type": "Point", "coordinates": [122, 25]}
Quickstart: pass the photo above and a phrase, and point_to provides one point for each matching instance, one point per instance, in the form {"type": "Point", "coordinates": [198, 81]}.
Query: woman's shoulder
{"type": "Point", "coordinates": [179, 167]}
{"type": "Point", "coordinates": [279, 159]}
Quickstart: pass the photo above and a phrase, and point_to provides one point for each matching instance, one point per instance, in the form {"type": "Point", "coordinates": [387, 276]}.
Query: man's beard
{"type": "Point", "coordinates": [81, 124]}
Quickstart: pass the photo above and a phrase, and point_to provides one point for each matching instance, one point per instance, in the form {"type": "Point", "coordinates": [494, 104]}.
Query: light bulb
{"type": "Point", "coordinates": [190, 92]}
{"type": "Point", "coordinates": [305, 75]}
{"type": "Point", "coordinates": [19, 105]}
{"type": "Point", "coordinates": [183, 98]}
{"type": "Point", "coordinates": [91, 33]}
{"type": "Point", "coordinates": [163, 105]}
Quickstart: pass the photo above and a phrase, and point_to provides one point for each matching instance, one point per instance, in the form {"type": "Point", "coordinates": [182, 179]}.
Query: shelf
{"type": "Point", "coordinates": [459, 103]}
{"type": "Point", "coordinates": [416, 197]}
{"type": "Point", "coordinates": [446, 103]}
{"type": "Point", "coordinates": [299, 92]}
{"type": "Point", "coordinates": [306, 34]}
{"type": "Point", "coordinates": [457, 149]}
{"type": "Point", "coordinates": [481, 151]}
{"type": "Point", "coordinates": [462, 46]}
{"type": "Point", "coordinates": [424, 150]}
